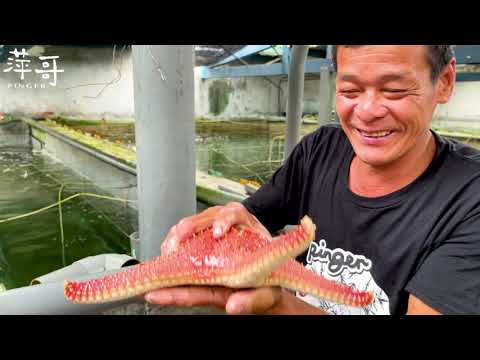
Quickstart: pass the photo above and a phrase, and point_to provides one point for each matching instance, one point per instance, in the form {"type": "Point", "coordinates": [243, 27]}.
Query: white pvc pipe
{"type": "Point", "coordinates": [49, 299]}
{"type": "Point", "coordinates": [87, 266]}
{"type": "Point", "coordinates": [325, 95]}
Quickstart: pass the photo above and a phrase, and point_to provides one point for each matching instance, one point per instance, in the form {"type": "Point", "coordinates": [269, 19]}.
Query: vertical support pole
{"type": "Point", "coordinates": [286, 65]}
{"type": "Point", "coordinates": [164, 131]}
{"type": "Point", "coordinates": [296, 81]}
{"type": "Point", "coordinates": [325, 98]}
{"type": "Point", "coordinates": [286, 58]}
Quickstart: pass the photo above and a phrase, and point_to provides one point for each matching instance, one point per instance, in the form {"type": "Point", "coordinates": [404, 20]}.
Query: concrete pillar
{"type": "Point", "coordinates": [296, 80]}
{"type": "Point", "coordinates": [164, 130]}
{"type": "Point", "coordinates": [326, 91]}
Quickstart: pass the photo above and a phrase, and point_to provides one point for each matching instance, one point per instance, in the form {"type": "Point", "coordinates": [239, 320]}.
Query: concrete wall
{"type": "Point", "coordinates": [69, 97]}
{"type": "Point", "coordinates": [463, 110]}
{"type": "Point", "coordinates": [237, 96]}
{"type": "Point", "coordinates": [225, 98]}
{"type": "Point", "coordinates": [249, 96]}
{"type": "Point", "coordinates": [14, 134]}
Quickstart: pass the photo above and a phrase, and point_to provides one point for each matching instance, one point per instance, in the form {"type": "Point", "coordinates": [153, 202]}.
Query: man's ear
{"type": "Point", "coordinates": [446, 82]}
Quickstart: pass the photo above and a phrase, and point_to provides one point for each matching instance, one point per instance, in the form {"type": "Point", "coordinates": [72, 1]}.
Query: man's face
{"type": "Point", "coordinates": [385, 99]}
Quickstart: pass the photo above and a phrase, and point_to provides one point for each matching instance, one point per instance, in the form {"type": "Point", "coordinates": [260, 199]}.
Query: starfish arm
{"type": "Point", "coordinates": [251, 269]}
{"type": "Point", "coordinates": [294, 276]}
{"type": "Point", "coordinates": [154, 274]}
{"type": "Point", "coordinates": [241, 259]}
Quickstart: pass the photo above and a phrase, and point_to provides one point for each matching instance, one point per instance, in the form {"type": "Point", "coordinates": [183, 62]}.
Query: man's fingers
{"type": "Point", "coordinates": [256, 301]}
{"type": "Point", "coordinates": [236, 214]}
{"type": "Point", "coordinates": [171, 241]}
{"type": "Point", "coordinates": [192, 224]}
{"type": "Point", "coordinates": [190, 296]}
{"type": "Point", "coordinates": [226, 219]}
{"type": "Point", "coordinates": [186, 227]}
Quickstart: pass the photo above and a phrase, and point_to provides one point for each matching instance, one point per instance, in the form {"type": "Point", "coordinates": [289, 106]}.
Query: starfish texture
{"type": "Point", "coordinates": [240, 259]}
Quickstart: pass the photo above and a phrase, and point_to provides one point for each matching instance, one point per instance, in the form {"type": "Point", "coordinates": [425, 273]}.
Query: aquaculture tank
{"type": "Point", "coordinates": [50, 215]}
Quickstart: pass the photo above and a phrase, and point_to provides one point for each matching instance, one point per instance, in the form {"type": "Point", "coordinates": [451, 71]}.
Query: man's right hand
{"type": "Point", "coordinates": [265, 300]}
{"type": "Point", "coordinates": [221, 218]}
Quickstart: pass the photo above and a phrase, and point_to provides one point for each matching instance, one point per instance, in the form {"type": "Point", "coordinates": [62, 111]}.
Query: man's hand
{"type": "Point", "coordinates": [266, 300]}
{"type": "Point", "coordinates": [269, 301]}
{"type": "Point", "coordinates": [190, 296]}
{"type": "Point", "coordinates": [221, 218]}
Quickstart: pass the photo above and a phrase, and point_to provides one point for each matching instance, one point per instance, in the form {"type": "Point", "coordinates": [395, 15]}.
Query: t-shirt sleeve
{"type": "Point", "coordinates": [449, 278]}
{"type": "Point", "coordinates": [276, 203]}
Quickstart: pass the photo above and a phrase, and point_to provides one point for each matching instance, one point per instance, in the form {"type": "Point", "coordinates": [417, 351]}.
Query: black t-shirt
{"type": "Point", "coordinates": [423, 239]}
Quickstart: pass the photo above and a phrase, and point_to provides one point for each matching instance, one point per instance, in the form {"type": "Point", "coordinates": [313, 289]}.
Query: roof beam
{"type": "Point", "coordinates": [246, 51]}
{"type": "Point", "coordinates": [311, 66]}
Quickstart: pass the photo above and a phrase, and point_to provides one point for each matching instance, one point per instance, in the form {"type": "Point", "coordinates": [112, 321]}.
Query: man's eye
{"type": "Point", "coordinates": [394, 90]}
{"type": "Point", "coordinates": [350, 91]}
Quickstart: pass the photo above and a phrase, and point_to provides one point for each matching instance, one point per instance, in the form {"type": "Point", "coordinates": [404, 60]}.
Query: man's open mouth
{"type": "Point", "coordinates": [375, 134]}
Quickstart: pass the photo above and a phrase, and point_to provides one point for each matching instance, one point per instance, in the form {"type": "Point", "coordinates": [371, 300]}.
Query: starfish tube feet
{"type": "Point", "coordinates": [294, 276]}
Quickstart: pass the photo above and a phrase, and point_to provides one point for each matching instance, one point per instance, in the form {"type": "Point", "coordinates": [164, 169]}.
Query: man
{"type": "Point", "coordinates": [397, 207]}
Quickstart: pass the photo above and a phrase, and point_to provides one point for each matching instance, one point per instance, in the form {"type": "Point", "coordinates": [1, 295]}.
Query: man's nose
{"type": "Point", "coordinates": [370, 107]}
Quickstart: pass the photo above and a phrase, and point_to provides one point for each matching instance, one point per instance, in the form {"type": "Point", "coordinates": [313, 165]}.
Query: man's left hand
{"type": "Point", "coordinates": [265, 300]}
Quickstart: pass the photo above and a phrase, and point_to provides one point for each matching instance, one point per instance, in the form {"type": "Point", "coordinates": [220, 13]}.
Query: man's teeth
{"type": "Point", "coordinates": [376, 134]}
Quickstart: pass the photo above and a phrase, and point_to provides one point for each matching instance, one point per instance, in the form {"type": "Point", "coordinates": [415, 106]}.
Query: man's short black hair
{"type": "Point", "coordinates": [438, 57]}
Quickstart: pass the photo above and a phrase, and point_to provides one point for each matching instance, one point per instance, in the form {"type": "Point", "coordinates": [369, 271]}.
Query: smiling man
{"type": "Point", "coordinates": [397, 207]}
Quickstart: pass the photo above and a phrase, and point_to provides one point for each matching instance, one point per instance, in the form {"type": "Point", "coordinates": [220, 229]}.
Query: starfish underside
{"type": "Point", "coordinates": [240, 259]}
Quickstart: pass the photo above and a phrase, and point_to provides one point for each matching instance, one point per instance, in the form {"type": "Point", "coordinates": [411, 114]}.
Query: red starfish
{"type": "Point", "coordinates": [239, 259]}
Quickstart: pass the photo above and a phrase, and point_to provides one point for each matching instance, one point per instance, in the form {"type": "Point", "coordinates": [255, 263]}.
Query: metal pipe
{"type": "Point", "coordinates": [280, 95]}
{"type": "Point", "coordinates": [296, 80]}
{"type": "Point", "coordinates": [325, 96]}
{"type": "Point", "coordinates": [286, 57]}
{"type": "Point", "coordinates": [165, 140]}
